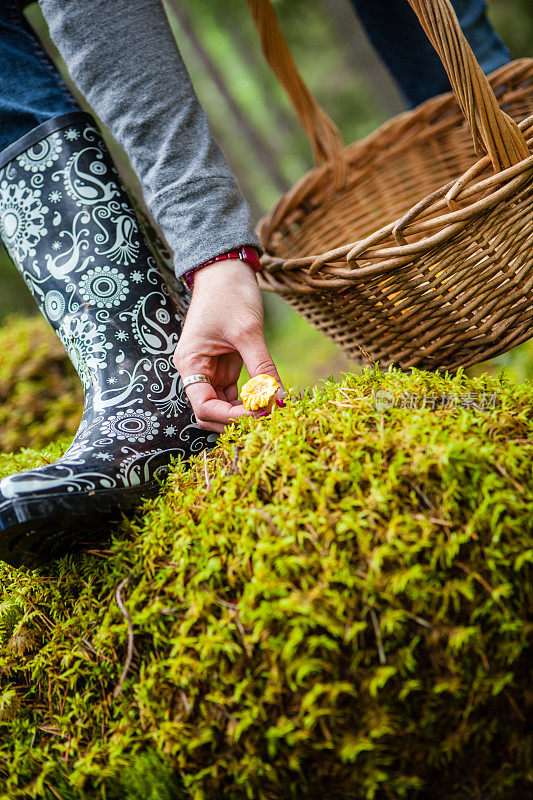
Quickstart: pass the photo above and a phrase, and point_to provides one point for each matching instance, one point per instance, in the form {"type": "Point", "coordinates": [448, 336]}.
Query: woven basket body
{"type": "Point", "coordinates": [421, 255]}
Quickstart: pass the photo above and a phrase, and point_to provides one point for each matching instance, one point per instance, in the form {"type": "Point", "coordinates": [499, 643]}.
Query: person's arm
{"type": "Point", "coordinates": [123, 57]}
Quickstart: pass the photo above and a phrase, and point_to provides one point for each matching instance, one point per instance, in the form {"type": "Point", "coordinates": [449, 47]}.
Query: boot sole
{"type": "Point", "coordinates": [37, 529]}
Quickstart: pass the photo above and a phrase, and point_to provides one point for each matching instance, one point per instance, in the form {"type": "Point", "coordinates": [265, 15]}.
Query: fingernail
{"type": "Point", "coordinates": [280, 403]}
{"type": "Point", "coordinates": [261, 414]}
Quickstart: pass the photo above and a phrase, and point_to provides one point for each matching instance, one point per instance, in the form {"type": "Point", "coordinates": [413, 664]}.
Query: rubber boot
{"type": "Point", "coordinates": [68, 224]}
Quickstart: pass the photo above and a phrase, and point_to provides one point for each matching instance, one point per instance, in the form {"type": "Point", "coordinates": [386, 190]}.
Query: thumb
{"type": "Point", "coordinates": [258, 361]}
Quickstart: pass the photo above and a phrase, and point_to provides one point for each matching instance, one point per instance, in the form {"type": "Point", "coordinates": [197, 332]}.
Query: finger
{"type": "Point", "coordinates": [211, 412]}
{"type": "Point", "coordinates": [215, 427]}
{"type": "Point", "coordinates": [258, 361]}
{"type": "Point", "coordinates": [222, 394]}
{"type": "Point", "coordinates": [232, 393]}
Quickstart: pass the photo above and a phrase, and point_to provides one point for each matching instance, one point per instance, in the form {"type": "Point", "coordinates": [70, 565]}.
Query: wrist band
{"type": "Point", "coordinates": [247, 254]}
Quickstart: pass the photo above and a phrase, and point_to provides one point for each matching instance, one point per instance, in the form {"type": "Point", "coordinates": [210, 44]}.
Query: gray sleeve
{"type": "Point", "coordinates": [123, 57]}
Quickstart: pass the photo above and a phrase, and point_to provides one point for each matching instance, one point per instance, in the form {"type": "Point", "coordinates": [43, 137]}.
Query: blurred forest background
{"type": "Point", "coordinates": [256, 128]}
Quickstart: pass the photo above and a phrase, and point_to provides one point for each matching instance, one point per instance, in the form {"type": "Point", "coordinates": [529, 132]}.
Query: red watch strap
{"type": "Point", "coordinates": [247, 253]}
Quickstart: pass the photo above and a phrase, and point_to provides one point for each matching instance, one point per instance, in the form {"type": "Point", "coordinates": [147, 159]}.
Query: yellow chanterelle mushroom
{"type": "Point", "coordinates": [259, 393]}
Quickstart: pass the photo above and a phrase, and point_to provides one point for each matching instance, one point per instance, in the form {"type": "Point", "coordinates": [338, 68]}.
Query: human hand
{"type": "Point", "coordinates": [223, 328]}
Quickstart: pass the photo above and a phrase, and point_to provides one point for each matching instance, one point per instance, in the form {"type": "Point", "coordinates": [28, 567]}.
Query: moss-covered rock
{"type": "Point", "coordinates": [332, 604]}
{"type": "Point", "coordinates": [40, 393]}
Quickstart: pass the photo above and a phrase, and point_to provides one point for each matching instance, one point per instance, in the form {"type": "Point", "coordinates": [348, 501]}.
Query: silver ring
{"type": "Point", "coordinates": [195, 379]}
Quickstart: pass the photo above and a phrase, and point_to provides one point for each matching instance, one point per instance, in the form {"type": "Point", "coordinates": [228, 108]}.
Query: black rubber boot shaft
{"type": "Point", "coordinates": [68, 224]}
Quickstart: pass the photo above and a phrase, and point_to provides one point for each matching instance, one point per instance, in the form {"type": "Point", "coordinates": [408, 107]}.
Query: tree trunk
{"type": "Point", "coordinates": [363, 56]}
{"type": "Point", "coordinates": [287, 126]}
{"type": "Point", "coordinates": [266, 155]}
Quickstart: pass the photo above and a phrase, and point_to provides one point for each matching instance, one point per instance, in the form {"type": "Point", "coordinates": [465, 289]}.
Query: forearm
{"type": "Point", "coordinates": [123, 57]}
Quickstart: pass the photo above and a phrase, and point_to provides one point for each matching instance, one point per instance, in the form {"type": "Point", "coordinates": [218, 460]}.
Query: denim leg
{"type": "Point", "coordinates": [394, 30]}
{"type": "Point", "coordinates": [31, 89]}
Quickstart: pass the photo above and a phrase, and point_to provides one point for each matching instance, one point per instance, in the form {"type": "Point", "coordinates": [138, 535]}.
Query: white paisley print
{"type": "Point", "coordinates": [86, 345]}
{"type": "Point", "coordinates": [42, 155]}
{"type": "Point", "coordinates": [54, 305]}
{"type": "Point", "coordinates": [92, 273]}
{"type": "Point", "coordinates": [136, 425]}
{"type": "Point", "coordinates": [104, 287]}
{"type": "Point", "coordinates": [22, 218]}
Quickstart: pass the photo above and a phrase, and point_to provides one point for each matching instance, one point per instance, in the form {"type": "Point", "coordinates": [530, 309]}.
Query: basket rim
{"type": "Point", "coordinates": [456, 201]}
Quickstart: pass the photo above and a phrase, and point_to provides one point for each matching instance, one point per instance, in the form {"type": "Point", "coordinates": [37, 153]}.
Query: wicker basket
{"type": "Point", "coordinates": [415, 245]}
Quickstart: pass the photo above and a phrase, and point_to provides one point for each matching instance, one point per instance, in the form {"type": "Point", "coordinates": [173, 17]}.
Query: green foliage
{"type": "Point", "coordinates": [40, 394]}
{"type": "Point", "coordinates": [15, 296]}
{"type": "Point", "coordinates": [513, 20]}
{"type": "Point", "coordinates": [516, 363]}
{"type": "Point", "coordinates": [146, 777]}
{"type": "Point", "coordinates": [332, 604]}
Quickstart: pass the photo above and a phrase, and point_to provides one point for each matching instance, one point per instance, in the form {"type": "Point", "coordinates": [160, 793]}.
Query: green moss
{"type": "Point", "coordinates": [332, 604]}
{"type": "Point", "coordinates": [40, 394]}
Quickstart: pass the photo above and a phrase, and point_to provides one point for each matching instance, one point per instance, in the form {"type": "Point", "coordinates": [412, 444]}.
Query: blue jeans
{"type": "Point", "coordinates": [32, 91]}
{"type": "Point", "coordinates": [393, 28]}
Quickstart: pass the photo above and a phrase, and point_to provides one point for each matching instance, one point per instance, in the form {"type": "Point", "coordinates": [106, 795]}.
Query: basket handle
{"type": "Point", "coordinates": [493, 131]}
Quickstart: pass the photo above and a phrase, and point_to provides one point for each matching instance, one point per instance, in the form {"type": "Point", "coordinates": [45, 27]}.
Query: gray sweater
{"type": "Point", "coordinates": [123, 57]}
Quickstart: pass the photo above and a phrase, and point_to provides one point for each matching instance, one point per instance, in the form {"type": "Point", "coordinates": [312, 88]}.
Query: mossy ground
{"type": "Point", "coordinates": [40, 393]}
{"type": "Point", "coordinates": [332, 604]}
